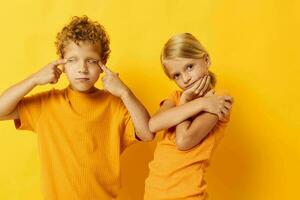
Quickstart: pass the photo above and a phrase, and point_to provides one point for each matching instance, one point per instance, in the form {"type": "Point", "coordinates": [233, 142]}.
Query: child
{"type": "Point", "coordinates": [193, 121]}
{"type": "Point", "coordinates": [81, 130]}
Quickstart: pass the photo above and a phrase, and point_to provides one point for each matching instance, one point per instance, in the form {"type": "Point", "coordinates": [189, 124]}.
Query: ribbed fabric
{"type": "Point", "coordinates": [80, 138]}
{"type": "Point", "coordinates": [176, 174]}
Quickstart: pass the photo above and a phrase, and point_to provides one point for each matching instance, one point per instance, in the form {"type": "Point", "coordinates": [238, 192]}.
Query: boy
{"type": "Point", "coordinates": [81, 130]}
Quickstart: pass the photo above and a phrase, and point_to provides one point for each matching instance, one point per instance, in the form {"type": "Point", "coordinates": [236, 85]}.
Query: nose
{"type": "Point", "coordinates": [186, 78]}
{"type": "Point", "coordinates": [82, 68]}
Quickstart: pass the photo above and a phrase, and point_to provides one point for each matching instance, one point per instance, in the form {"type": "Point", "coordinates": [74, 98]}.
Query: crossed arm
{"type": "Point", "coordinates": [191, 121]}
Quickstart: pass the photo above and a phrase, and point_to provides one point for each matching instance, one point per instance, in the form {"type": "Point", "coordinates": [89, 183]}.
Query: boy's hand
{"type": "Point", "coordinates": [196, 91]}
{"type": "Point", "coordinates": [112, 83]}
{"type": "Point", "coordinates": [49, 73]}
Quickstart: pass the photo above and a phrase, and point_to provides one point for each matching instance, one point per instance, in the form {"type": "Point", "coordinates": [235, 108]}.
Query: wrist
{"type": "Point", "coordinates": [201, 104]}
{"type": "Point", "coordinates": [126, 93]}
{"type": "Point", "coordinates": [182, 100]}
{"type": "Point", "coordinates": [32, 80]}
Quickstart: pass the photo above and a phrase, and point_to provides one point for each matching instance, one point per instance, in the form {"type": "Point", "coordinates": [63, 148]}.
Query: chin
{"type": "Point", "coordinates": [83, 88]}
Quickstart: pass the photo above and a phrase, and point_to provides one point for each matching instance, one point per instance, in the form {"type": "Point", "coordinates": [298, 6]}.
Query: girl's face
{"type": "Point", "coordinates": [186, 71]}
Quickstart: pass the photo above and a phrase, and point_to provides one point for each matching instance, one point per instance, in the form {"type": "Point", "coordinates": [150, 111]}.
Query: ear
{"type": "Point", "coordinates": [207, 60]}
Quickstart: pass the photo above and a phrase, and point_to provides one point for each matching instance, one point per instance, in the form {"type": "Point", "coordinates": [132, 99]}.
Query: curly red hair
{"type": "Point", "coordinates": [83, 29]}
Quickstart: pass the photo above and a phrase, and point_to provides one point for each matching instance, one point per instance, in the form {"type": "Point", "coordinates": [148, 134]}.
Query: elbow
{"type": "Point", "coordinates": [145, 135]}
{"type": "Point", "coordinates": [183, 143]}
{"type": "Point", "coordinates": [148, 136]}
{"type": "Point", "coordinates": [152, 125]}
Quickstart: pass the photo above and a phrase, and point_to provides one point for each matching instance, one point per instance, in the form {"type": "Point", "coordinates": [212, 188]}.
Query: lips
{"type": "Point", "coordinates": [190, 85]}
{"type": "Point", "coordinates": [82, 79]}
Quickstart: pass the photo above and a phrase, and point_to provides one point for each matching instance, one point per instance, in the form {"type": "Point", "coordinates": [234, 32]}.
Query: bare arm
{"type": "Point", "coordinates": [10, 98]}
{"type": "Point", "coordinates": [170, 116]}
{"type": "Point", "coordinates": [139, 116]}
{"type": "Point", "coordinates": [191, 132]}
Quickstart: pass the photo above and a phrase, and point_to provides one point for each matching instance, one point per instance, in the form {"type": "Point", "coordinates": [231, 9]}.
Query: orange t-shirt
{"type": "Point", "coordinates": [80, 139]}
{"type": "Point", "coordinates": [176, 174]}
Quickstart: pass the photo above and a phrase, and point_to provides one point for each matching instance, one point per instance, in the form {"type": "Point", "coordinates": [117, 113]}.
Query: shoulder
{"type": "Point", "coordinates": [173, 97]}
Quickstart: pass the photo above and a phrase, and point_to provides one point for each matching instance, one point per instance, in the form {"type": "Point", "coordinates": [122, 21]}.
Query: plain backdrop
{"type": "Point", "coordinates": [254, 49]}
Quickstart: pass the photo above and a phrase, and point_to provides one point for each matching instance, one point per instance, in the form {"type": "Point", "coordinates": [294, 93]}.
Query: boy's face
{"type": "Point", "coordinates": [186, 71]}
{"type": "Point", "coordinates": [81, 68]}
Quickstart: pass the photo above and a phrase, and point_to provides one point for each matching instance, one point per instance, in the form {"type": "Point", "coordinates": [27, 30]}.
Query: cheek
{"type": "Point", "coordinates": [95, 72]}
{"type": "Point", "coordinates": [200, 73]}
{"type": "Point", "coordinates": [179, 83]}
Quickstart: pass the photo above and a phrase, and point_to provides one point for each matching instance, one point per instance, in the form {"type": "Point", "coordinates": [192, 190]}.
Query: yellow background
{"type": "Point", "coordinates": [253, 45]}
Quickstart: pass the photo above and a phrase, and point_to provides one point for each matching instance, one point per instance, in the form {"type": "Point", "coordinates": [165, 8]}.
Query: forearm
{"type": "Point", "coordinates": [175, 115]}
{"type": "Point", "coordinates": [190, 134]}
{"type": "Point", "coordinates": [11, 97]}
{"type": "Point", "coordinates": [139, 116]}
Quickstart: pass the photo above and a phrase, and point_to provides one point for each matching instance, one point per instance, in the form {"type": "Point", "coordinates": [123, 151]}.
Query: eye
{"type": "Point", "coordinates": [190, 67]}
{"type": "Point", "coordinates": [92, 61]}
{"type": "Point", "coordinates": [176, 76]}
{"type": "Point", "coordinates": [71, 60]}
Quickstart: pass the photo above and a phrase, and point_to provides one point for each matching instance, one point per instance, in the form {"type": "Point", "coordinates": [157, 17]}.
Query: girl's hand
{"type": "Point", "coordinates": [112, 83]}
{"type": "Point", "coordinates": [49, 73]}
{"type": "Point", "coordinates": [217, 104]}
{"type": "Point", "coordinates": [196, 91]}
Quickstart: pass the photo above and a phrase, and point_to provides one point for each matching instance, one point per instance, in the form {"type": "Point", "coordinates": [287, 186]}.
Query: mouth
{"type": "Point", "coordinates": [190, 85]}
{"type": "Point", "coordinates": [82, 79]}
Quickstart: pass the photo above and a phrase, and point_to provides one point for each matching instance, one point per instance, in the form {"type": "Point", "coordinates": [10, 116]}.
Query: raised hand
{"type": "Point", "coordinates": [112, 83]}
{"type": "Point", "coordinates": [49, 73]}
{"type": "Point", "coordinates": [218, 104]}
{"type": "Point", "coordinates": [197, 90]}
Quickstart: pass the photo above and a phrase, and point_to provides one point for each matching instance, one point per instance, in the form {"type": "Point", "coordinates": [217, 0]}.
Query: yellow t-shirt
{"type": "Point", "coordinates": [80, 139]}
{"type": "Point", "coordinates": [176, 174]}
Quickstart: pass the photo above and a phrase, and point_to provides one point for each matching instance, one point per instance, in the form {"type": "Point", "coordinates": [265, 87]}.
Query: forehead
{"type": "Point", "coordinates": [178, 64]}
{"type": "Point", "coordinates": [85, 48]}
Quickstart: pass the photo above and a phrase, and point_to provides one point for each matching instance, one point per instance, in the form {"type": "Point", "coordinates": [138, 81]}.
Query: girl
{"type": "Point", "coordinates": [193, 120]}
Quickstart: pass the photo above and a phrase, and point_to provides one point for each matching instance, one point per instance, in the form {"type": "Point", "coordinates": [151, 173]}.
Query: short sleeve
{"type": "Point", "coordinates": [173, 97]}
{"type": "Point", "coordinates": [29, 111]}
{"type": "Point", "coordinates": [128, 136]}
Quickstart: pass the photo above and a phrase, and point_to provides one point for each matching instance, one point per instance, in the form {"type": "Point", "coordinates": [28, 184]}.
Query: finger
{"type": "Point", "coordinates": [100, 63]}
{"type": "Point", "coordinates": [210, 92]}
{"type": "Point", "coordinates": [227, 105]}
{"type": "Point", "coordinates": [202, 84]}
{"type": "Point", "coordinates": [59, 71]}
{"type": "Point", "coordinates": [106, 69]}
{"type": "Point", "coordinates": [54, 81]}
{"type": "Point", "coordinates": [225, 111]}
{"type": "Point", "coordinates": [56, 74]}
{"type": "Point", "coordinates": [195, 86]}
{"type": "Point", "coordinates": [228, 98]}
{"type": "Point", "coordinates": [204, 89]}
{"type": "Point", "coordinates": [220, 116]}
{"type": "Point", "coordinates": [59, 62]}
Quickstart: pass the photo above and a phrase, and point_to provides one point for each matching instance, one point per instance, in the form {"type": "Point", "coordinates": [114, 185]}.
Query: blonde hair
{"type": "Point", "coordinates": [185, 45]}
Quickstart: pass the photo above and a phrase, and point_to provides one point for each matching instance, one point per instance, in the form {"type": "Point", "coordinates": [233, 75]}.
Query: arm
{"type": "Point", "coordinates": [10, 98]}
{"type": "Point", "coordinates": [191, 133]}
{"type": "Point", "coordinates": [139, 115]}
{"type": "Point", "coordinates": [169, 115]}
